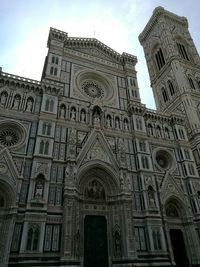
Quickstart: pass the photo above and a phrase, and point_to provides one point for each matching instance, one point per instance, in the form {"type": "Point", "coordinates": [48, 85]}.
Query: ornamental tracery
{"type": "Point", "coordinates": [92, 89]}
{"type": "Point", "coordinates": [11, 134]}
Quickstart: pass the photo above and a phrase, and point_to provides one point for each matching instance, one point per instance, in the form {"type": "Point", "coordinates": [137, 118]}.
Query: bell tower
{"type": "Point", "coordinates": [174, 66]}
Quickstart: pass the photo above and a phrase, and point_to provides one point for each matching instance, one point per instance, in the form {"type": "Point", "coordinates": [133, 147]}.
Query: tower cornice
{"type": "Point", "coordinates": [157, 14]}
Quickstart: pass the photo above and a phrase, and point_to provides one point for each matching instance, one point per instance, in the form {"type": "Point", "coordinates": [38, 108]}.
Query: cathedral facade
{"type": "Point", "coordinates": [88, 175]}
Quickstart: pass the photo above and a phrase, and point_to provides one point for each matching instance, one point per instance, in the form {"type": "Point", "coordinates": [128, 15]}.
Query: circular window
{"type": "Point", "coordinates": [93, 85]}
{"type": "Point", "coordinates": [164, 159]}
{"type": "Point", "coordinates": [11, 134]}
{"type": "Point", "coordinates": [92, 89]}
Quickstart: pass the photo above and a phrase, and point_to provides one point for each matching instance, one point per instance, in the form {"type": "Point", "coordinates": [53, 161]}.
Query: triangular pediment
{"type": "Point", "coordinates": [169, 187]}
{"type": "Point", "coordinates": [97, 148]}
{"type": "Point", "coordinates": [8, 170]}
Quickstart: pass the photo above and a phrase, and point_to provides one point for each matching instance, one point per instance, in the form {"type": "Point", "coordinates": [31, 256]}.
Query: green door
{"type": "Point", "coordinates": [95, 242]}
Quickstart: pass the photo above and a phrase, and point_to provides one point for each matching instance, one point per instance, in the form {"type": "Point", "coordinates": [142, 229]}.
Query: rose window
{"type": "Point", "coordinates": [11, 133]}
{"type": "Point", "coordinates": [92, 89]}
{"type": "Point", "coordinates": [164, 159]}
{"type": "Point", "coordinates": [9, 137]}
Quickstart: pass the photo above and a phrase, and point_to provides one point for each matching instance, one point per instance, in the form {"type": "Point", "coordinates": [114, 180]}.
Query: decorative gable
{"type": "Point", "coordinates": [97, 148]}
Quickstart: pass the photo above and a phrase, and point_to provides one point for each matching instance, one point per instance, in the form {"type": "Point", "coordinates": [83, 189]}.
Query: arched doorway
{"type": "Point", "coordinates": [177, 234]}
{"type": "Point", "coordinates": [99, 215]}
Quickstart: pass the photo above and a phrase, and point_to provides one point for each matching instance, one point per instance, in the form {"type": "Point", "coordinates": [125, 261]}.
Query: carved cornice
{"type": "Point", "coordinates": [74, 42]}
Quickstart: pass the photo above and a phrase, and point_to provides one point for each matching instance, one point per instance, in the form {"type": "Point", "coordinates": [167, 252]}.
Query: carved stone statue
{"type": "Point", "coordinates": [3, 99]}
{"type": "Point", "coordinates": [16, 102]}
{"type": "Point", "coordinates": [39, 188]}
{"type": "Point", "coordinates": [62, 112]}
{"type": "Point", "coordinates": [83, 116]}
{"type": "Point", "coordinates": [73, 114]}
{"type": "Point", "coordinates": [125, 125]}
{"type": "Point", "coordinates": [108, 122]}
{"type": "Point", "coordinates": [117, 124]}
{"type": "Point", "coordinates": [29, 105]}
{"type": "Point", "coordinates": [151, 197]}
{"type": "Point", "coordinates": [117, 242]}
{"type": "Point", "coordinates": [96, 118]}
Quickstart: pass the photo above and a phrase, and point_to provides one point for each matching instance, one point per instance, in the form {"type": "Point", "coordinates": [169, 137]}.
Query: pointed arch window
{"type": "Point", "coordinates": [182, 51]}
{"type": "Point", "coordinates": [160, 60]}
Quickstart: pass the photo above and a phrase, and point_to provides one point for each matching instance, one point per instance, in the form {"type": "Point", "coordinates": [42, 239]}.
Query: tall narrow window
{"type": "Point", "coordinates": [53, 59]}
{"type": "Point", "coordinates": [55, 71]}
{"type": "Point", "coordinates": [47, 105]}
{"type": "Point", "coordinates": [182, 51]}
{"type": "Point", "coordinates": [171, 87]}
{"type": "Point", "coordinates": [156, 240]}
{"type": "Point", "coordinates": [57, 60]}
{"type": "Point", "coordinates": [16, 237]}
{"type": "Point", "coordinates": [191, 83]}
{"type": "Point", "coordinates": [160, 60]}
{"type": "Point", "coordinates": [46, 148]}
{"type": "Point", "coordinates": [52, 238]}
{"type": "Point", "coordinates": [198, 83]}
{"type": "Point", "coordinates": [33, 239]}
{"type": "Point", "coordinates": [41, 147]}
{"type": "Point", "coordinates": [51, 70]}
{"type": "Point", "coordinates": [164, 93]}
{"type": "Point", "coordinates": [51, 105]}
{"type": "Point", "coordinates": [44, 126]}
{"type": "Point", "coordinates": [141, 238]}
{"type": "Point", "coordinates": [49, 129]}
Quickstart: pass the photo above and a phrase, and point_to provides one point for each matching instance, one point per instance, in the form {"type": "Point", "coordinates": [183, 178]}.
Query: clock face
{"type": "Point", "coordinates": [3, 168]}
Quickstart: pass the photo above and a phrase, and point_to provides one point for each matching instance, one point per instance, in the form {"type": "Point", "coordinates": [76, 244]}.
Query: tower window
{"type": "Point", "coordinates": [160, 60]}
{"type": "Point", "coordinates": [198, 83]}
{"type": "Point", "coordinates": [164, 93]}
{"type": "Point", "coordinates": [53, 60]}
{"type": "Point", "coordinates": [182, 51]}
{"type": "Point", "coordinates": [191, 83]}
{"type": "Point", "coordinates": [171, 87]}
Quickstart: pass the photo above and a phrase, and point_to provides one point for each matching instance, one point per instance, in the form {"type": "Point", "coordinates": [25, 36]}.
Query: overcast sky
{"type": "Point", "coordinates": [117, 23]}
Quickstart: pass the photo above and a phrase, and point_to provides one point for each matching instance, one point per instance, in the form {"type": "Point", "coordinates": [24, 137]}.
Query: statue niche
{"type": "Point", "coordinates": [94, 191]}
